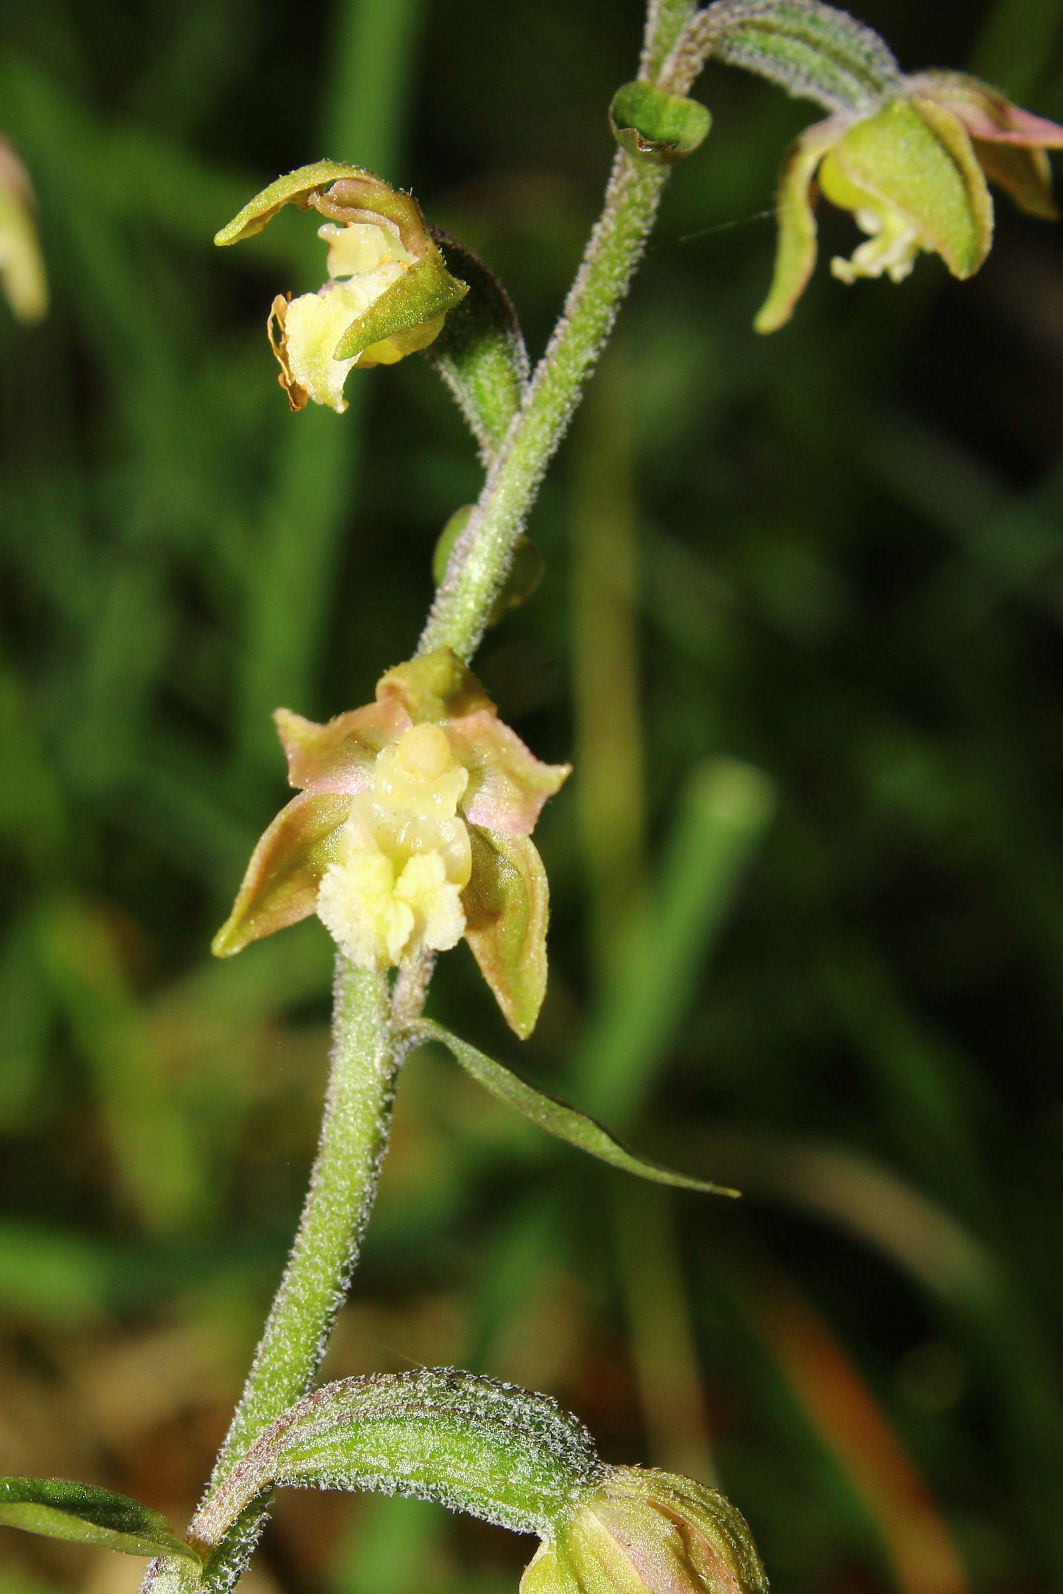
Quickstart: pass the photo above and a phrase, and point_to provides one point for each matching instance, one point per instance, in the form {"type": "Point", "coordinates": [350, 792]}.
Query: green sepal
{"type": "Point", "coordinates": [507, 906]}
{"type": "Point", "coordinates": [917, 158]}
{"type": "Point", "coordinates": [813, 51]}
{"type": "Point", "coordinates": [522, 579]}
{"type": "Point", "coordinates": [480, 353]}
{"type": "Point", "coordinates": [60, 1509]}
{"type": "Point", "coordinates": [289, 189]}
{"type": "Point", "coordinates": [281, 882]}
{"type": "Point", "coordinates": [508, 1455]}
{"type": "Point", "coordinates": [556, 1117]}
{"type": "Point", "coordinates": [406, 316]}
{"type": "Point", "coordinates": [657, 128]}
{"type": "Point", "coordinates": [795, 252]}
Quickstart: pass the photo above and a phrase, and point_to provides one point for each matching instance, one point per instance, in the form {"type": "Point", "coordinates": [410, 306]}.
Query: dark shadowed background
{"type": "Point", "coordinates": [796, 629]}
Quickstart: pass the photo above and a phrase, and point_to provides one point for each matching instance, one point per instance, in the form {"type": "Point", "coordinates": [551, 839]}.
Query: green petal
{"type": "Point", "coordinates": [795, 255]}
{"type": "Point", "coordinates": [406, 317]}
{"type": "Point", "coordinates": [506, 909]}
{"type": "Point", "coordinates": [917, 159]}
{"type": "Point", "coordinates": [59, 1509]}
{"type": "Point", "coordinates": [282, 879]}
{"type": "Point", "coordinates": [556, 1117]}
{"type": "Point", "coordinates": [1024, 174]}
{"type": "Point", "coordinates": [284, 191]}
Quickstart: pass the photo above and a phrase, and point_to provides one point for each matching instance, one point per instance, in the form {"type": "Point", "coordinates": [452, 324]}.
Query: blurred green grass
{"type": "Point", "coordinates": [795, 624]}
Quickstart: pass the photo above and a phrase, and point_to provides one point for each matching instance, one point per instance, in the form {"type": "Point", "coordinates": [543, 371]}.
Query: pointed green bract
{"type": "Point", "coordinates": [480, 353]}
{"type": "Point", "coordinates": [655, 127]}
{"type": "Point", "coordinates": [814, 51]}
{"type": "Point", "coordinates": [556, 1117]}
{"type": "Point", "coordinates": [506, 1454]}
{"type": "Point", "coordinates": [59, 1509]}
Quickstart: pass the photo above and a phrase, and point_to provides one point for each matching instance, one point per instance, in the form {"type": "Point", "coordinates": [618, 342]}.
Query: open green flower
{"type": "Point", "coordinates": [412, 829]}
{"type": "Point", "coordinates": [388, 291]}
{"type": "Point", "coordinates": [913, 174]}
{"type": "Point", "coordinates": [642, 1531]}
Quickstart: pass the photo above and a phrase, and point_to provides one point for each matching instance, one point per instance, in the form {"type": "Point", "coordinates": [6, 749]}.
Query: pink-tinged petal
{"type": "Point", "coordinates": [282, 879]}
{"type": "Point", "coordinates": [1023, 174]}
{"type": "Point", "coordinates": [985, 112]}
{"type": "Point", "coordinates": [795, 255]}
{"type": "Point", "coordinates": [338, 756]}
{"type": "Point", "coordinates": [506, 909]}
{"type": "Point", "coordinates": [433, 688]}
{"type": "Point", "coordinates": [508, 785]}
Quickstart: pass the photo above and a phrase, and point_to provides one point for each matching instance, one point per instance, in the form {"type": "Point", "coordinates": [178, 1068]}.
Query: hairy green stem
{"type": "Point", "coordinates": [365, 1053]}
{"type": "Point", "coordinates": [364, 1064]}
{"type": "Point", "coordinates": [483, 553]}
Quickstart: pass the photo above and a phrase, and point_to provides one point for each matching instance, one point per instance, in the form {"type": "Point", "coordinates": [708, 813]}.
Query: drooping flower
{"type": "Point", "coordinates": [913, 174]}
{"type": "Point", "coordinates": [648, 1532]}
{"type": "Point", "coordinates": [411, 830]}
{"type": "Point", "coordinates": [387, 293]}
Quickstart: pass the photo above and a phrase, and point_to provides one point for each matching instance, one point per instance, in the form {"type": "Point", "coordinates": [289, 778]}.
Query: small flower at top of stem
{"type": "Point", "coordinates": [913, 175]}
{"type": "Point", "coordinates": [388, 291]}
{"type": "Point", "coordinates": [648, 1532]}
{"type": "Point", "coordinates": [412, 830]}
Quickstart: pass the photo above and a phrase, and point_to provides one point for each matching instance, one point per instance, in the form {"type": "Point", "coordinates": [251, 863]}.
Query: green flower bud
{"type": "Point", "coordinates": [657, 128]}
{"type": "Point", "coordinates": [648, 1532]}
{"type": "Point", "coordinates": [388, 291]}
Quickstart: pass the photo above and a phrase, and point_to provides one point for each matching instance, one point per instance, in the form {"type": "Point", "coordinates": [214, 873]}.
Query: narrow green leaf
{"type": "Point", "coordinates": [506, 1454]}
{"type": "Point", "coordinates": [60, 1509]}
{"type": "Point", "coordinates": [556, 1117]}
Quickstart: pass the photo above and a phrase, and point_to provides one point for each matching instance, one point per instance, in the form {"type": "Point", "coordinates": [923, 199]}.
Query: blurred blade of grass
{"type": "Point", "coordinates": [608, 753]}
{"type": "Point", "coordinates": [663, 1342]}
{"type": "Point", "coordinates": [925, 1085]}
{"type": "Point", "coordinates": [1017, 43]}
{"type": "Point", "coordinates": [52, 1276]}
{"type": "Point", "coordinates": [723, 811]}
{"type": "Point", "coordinates": [154, 1147]}
{"type": "Point", "coordinates": [28, 1022]}
{"type": "Point", "coordinates": [370, 55]}
{"type": "Point", "coordinates": [391, 1544]}
{"type": "Point", "coordinates": [850, 1421]}
{"type": "Point", "coordinates": [987, 1301]}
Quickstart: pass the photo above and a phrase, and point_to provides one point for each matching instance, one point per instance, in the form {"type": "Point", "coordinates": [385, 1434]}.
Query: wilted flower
{"type": "Point", "coordinates": [913, 174]}
{"type": "Point", "coordinates": [649, 1532]}
{"type": "Point", "coordinates": [21, 267]}
{"type": "Point", "coordinates": [411, 830]}
{"type": "Point", "coordinates": [388, 291]}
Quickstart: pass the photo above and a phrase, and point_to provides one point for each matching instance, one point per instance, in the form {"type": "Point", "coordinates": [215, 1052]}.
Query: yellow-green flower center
{"type": "Point", "coordinates": [404, 857]}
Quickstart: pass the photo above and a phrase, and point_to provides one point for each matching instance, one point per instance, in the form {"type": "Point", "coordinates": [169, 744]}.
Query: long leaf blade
{"type": "Point", "coordinates": [555, 1116]}
{"type": "Point", "coordinates": [61, 1509]}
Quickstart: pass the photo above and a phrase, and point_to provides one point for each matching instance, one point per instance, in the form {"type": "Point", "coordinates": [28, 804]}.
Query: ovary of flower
{"type": "Point", "coordinates": [368, 259]}
{"type": "Point", "coordinates": [404, 857]}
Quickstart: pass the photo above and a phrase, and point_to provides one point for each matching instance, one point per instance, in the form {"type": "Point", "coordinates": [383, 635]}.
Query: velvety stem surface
{"type": "Point", "coordinates": [482, 554]}
{"type": "Point", "coordinates": [364, 1065]}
